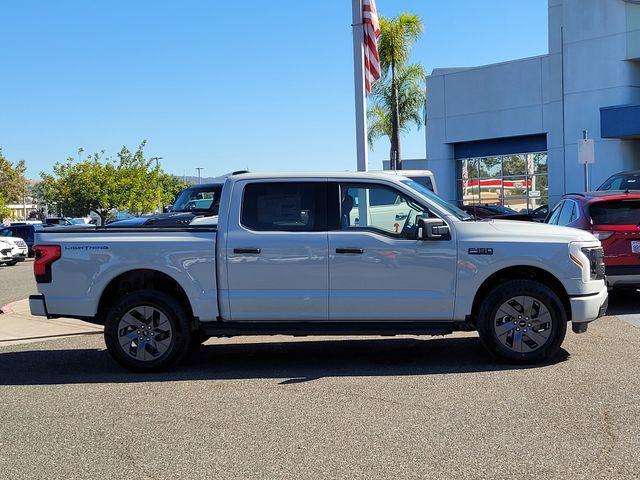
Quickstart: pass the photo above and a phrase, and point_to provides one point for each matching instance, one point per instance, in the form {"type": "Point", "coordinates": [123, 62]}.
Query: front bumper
{"type": "Point", "coordinates": [37, 306]}
{"type": "Point", "coordinates": [587, 308]}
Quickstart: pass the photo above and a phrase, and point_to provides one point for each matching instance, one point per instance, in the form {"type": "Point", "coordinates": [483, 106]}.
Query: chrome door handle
{"type": "Point", "coordinates": [350, 250]}
{"type": "Point", "coordinates": [246, 251]}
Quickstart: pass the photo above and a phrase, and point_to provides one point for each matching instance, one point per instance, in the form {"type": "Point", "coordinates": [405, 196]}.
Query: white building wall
{"type": "Point", "coordinates": [559, 94]}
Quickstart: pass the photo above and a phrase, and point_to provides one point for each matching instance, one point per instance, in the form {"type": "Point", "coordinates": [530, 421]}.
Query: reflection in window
{"type": "Point", "coordinates": [516, 181]}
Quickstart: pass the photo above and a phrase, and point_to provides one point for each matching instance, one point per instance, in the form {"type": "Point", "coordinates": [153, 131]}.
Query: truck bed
{"type": "Point", "coordinates": [93, 258]}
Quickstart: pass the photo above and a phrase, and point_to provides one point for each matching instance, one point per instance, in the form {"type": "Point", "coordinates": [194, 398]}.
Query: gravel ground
{"type": "Point", "coordinates": [16, 282]}
{"type": "Point", "coordinates": [320, 408]}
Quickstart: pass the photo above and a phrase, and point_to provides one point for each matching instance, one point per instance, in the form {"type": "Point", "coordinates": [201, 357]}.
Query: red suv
{"type": "Point", "coordinates": [614, 218]}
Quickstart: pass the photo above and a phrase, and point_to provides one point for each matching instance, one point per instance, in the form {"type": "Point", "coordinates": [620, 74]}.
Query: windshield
{"type": "Point", "coordinates": [198, 198]}
{"type": "Point", "coordinates": [449, 208]}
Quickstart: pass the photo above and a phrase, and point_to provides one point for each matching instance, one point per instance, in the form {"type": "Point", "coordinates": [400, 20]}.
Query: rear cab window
{"type": "Point", "coordinates": [285, 206]}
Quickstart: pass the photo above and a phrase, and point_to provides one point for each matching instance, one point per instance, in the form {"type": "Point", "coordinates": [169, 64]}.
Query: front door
{"type": "Point", "coordinates": [378, 269]}
{"type": "Point", "coordinates": [276, 257]}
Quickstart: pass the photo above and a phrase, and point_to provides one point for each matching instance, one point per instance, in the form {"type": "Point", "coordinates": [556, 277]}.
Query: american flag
{"type": "Point", "coordinates": [371, 34]}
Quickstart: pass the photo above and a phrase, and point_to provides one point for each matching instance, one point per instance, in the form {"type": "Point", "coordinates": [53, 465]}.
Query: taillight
{"type": "Point", "coordinates": [45, 256]}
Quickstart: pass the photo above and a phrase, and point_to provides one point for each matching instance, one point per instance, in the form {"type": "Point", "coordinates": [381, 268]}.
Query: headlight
{"type": "Point", "coordinates": [589, 258]}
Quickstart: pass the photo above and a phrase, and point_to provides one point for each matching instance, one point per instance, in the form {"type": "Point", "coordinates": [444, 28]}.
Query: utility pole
{"type": "Point", "coordinates": [199, 169]}
{"type": "Point", "coordinates": [587, 183]}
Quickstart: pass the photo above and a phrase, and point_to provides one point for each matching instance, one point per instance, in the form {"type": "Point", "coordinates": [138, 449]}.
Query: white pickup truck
{"type": "Point", "coordinates": [288, 258]}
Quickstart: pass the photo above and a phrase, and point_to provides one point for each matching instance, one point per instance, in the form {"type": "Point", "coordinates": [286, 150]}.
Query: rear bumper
{"type": "Point", "coordinates": [588, 308]}
{"type": "Point", "coordinates": [38, 306]}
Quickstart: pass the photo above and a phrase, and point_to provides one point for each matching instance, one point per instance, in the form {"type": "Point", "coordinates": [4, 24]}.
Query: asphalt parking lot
{"type": "Point", "coordinates": [327, 408]}
{"type": "Point", "coordinates": [16, 282]}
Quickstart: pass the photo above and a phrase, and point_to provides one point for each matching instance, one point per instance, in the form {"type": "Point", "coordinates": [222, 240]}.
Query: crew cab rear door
{"type": "Point", "coordinates": [277, 251]}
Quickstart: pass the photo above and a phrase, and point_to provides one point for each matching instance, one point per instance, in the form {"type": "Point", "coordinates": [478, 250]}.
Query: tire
{"type": "Point", "coordinates": [143, 317]}
{"type": "Point", "coordinates": [11, 263]}
{"type": "Point", "coordinates": [522, 321]}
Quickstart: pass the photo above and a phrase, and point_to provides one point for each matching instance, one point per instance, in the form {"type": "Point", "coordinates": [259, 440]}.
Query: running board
{"type": "Point", "coordinates": [232, 329]}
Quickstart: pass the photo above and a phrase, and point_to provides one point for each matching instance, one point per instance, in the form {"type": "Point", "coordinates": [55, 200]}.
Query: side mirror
{"type": "Point", "coordinates": [433, 229]}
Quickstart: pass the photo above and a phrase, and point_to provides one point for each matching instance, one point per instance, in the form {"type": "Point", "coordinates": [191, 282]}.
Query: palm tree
{"type": "Point", "coordinates": [409, 102]}
{"type": "Point", "coordinates": [397, 36]}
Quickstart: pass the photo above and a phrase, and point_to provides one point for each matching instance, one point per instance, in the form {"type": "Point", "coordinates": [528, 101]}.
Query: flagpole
{"type": "Point", "coordinates": [360, 96]}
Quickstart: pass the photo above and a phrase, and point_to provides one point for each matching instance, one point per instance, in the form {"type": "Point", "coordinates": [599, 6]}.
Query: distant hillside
{"type": "Point", "coordinates": [192, 179]}
{"type": "Point", "coordinates": [189, 179]}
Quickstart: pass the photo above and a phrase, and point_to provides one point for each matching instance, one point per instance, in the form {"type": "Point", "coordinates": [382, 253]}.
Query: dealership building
{"type": "Point", "coordinates": [508, 133]}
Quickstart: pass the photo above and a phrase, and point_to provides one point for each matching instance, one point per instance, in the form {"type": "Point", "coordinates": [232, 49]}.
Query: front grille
{"type": "Point", "coordinates": [596, 262]}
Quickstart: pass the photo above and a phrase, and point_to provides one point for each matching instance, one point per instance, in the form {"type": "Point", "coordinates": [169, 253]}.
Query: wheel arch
{"type": "Point", "coordinates": [521, 272]}
{"type": "Point", "coordinates": [141, 279]}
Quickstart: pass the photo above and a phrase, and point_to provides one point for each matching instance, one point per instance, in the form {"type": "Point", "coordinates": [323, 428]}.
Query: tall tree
{"type": "Point", "coordinates": [5, 212]}
{"type": "Point", "coordinates": [397, 36]}
{"type": "Point", "coordinates": [13, 183]}
{"type": "Point", "coordinates": [129, 182]}
{"type": "Point", "coordinates": [410, 101]}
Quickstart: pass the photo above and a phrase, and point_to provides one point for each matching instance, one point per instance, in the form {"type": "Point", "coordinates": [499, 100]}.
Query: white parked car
{"type": "Point", "coordinates": [426, 178]}
{"type": "Point", "coordinates": [6, 255]}
{"type": "Point", "coordinates": [10, 252]}
{"type": "Point", "coordinates": [20, 250]}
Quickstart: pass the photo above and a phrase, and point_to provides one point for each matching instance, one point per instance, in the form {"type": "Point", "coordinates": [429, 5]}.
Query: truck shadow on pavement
{"type": "Point", "coordinates": [287, 362]}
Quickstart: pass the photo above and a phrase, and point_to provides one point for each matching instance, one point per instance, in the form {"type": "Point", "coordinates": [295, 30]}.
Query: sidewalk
{"type": "Point", "coordinates": [17, 326]}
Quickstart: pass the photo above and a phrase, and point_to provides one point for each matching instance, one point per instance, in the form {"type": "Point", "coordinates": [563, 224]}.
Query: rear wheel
{"type": "Point", "coordinates": [147, 331]}
{"type": "Point", "coordinates": [523, 321]}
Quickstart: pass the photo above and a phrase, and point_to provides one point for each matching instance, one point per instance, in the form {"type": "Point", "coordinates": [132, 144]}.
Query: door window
{"type": "Point", "coordinates": [285, 206]}
{"type": "Point", "coordinates": [568, 213]}
{"type": "Point", "coordinates": [378, 208]}
{"type": "Point", "coordinates": [555, 214]}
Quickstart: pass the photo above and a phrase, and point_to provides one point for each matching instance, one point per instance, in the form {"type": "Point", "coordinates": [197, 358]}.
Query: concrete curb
{"type": "Point", "coordinates": [18, 326]}
{"type": "Point", "coordinates": [9, 307]}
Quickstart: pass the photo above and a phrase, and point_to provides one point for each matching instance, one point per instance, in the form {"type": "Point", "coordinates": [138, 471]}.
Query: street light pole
{"type": "Point", "coordinates": [199, 169]}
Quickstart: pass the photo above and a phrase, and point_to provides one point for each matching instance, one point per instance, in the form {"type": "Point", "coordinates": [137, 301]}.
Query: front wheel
{"type": "Point", "coordinates": [147, 331]}
{"type": "Point", "coordinates": [12, 263]}
{"type": "Point", "coordinates": [522, 321]}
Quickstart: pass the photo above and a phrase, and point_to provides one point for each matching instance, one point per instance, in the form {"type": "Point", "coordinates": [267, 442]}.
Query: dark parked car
{"type": "Point", "coordinates": [25, 232]}
{"type": "Point", "coordinates": [58, 221]}
{"type": "Point", "coordinates": [622, 181]}
{"type": "Point", "coordinates": [614, 218]}
{"type": "Point", "coordinates": [485, 211]}
{"type": "Point", "coordinates": [194, 201]}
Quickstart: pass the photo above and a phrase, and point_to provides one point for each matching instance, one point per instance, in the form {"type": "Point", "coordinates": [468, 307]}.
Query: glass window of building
{"type": "Point", "coordinates": [518, 182]}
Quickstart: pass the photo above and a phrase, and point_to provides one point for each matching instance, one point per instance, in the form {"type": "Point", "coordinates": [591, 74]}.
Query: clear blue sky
{"type": "Point", "coordinates": [221, 85]}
